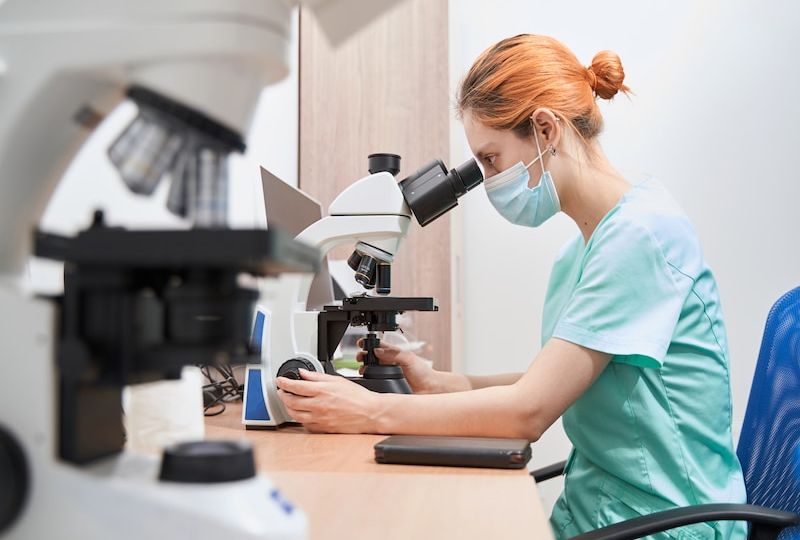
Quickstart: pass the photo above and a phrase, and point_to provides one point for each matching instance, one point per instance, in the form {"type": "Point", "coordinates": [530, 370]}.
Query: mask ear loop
{"type": "Point", "coordinates": [538, 149]}
{"type": "Point", "coordinates": [552, 152]}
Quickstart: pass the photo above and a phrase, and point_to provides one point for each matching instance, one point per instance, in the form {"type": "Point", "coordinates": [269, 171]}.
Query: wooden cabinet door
{"type": "Point", "coordinates": [383, 89]}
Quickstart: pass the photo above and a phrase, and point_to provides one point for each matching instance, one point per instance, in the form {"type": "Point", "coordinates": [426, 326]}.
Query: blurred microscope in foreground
{"type": "Point", "coordinates": [137, 305]}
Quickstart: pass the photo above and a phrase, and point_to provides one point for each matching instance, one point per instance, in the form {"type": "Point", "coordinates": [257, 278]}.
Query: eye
{"type": "Point", "coordinates": [490, 159]}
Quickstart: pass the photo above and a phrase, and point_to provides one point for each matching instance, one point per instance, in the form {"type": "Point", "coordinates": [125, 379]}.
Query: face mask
{"type": "Point", "coordinates": [510, 195]}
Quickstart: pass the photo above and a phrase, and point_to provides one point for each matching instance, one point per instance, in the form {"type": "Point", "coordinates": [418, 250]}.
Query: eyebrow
{"type": "Point", "coordinates": [482, 152]}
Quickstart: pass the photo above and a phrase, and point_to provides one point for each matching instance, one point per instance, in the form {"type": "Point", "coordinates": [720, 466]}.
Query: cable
{"type": "Point", "coordinates": [222, 388]}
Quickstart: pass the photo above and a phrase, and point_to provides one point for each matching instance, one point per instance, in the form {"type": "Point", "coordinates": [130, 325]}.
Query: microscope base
{"type": "Point", "coordinates": [119, 496]}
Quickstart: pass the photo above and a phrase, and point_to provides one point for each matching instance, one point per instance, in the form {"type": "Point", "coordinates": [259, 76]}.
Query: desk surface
{"type": "Point", "coordinates": [346, 494]}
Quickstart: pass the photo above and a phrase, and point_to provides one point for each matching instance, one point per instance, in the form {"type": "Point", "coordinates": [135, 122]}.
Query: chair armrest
{"type": "Point", "coordinates": [770, 521]}
{"type": "Point", "coordinates": [551, 471]}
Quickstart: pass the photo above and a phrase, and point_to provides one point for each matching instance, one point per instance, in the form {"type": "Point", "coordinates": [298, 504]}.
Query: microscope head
{"type": "Point", "coordinates": [375, 212]}
{"type": "Point", "coordinates": [429, 193]}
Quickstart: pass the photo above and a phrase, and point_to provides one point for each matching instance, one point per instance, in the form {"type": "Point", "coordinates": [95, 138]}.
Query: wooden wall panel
{"type": "Point", "coordinates": [385, 89]}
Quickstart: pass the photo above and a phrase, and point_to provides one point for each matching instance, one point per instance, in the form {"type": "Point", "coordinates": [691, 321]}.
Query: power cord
{"type": "Point", "coordinates": [221, 388]}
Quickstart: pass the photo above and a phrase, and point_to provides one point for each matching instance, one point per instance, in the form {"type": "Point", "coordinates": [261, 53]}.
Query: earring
{"type": "Point", "coordinates": [552, 150]}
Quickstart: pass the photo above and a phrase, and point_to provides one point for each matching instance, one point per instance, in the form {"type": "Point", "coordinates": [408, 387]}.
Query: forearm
{"type": "Point", "coordinates": [499, 411]}
{"type": "Point", "coordinates": [448, 381]}
{"type": "Point", "coordinates": [524, 409]}
{"type": "Point", "coordinates": [500, 379]}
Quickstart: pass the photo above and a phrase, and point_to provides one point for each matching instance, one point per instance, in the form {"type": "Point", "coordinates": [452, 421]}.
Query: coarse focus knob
{"type": "Point", "coordinates": [290, 368]}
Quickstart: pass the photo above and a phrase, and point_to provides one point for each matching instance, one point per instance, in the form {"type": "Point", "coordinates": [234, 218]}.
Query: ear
{"type": "Point", "coordinates": [547, 127]}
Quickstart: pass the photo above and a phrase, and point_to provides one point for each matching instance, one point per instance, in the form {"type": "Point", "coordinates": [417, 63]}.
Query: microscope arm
{"type": "Point", "coordinates": [381, 231]}
{"type": "Point", "coordinates": [370, 211]}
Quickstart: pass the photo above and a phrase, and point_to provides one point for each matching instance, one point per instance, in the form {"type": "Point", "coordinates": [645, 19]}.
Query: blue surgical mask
{"type": "Point", "coordinates": [510, 195]}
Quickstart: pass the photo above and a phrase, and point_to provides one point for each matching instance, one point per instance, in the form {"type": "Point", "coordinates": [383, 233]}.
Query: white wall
{"type": "Point", "coordinates": [715, 117]}
{"type": "Point", "coordinates": [92, 182]}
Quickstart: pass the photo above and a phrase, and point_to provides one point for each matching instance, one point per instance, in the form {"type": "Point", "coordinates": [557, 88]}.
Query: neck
{"type": "Point", "coordinates": [590, 190]}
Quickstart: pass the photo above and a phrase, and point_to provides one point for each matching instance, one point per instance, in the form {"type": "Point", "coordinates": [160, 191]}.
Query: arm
{"type": "Point", "coordinates": [524, 409]}
{"type": "Point", "coordinates": [485, 381]}
{"type": "Point", "coordinates": [426, 380]}
{"type": "Point", "coordinates": [440, 382]}
{"type": "Point", "coordinates": [448, 381]}
{"type": "Point", "coordinates": [561, 372]}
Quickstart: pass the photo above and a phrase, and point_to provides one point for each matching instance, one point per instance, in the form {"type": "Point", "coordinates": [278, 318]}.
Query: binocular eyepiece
{"type": "Point", "coordinates": [431, 191]}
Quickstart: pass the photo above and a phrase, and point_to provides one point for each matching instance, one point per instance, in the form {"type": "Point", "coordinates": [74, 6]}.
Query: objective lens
{"type": "Point", "coordinates": [177, 196]}
{"type": "Point", "coordinates": [354, 260]}
{"type": "Point", "coordinates": [383, 282]}
{"type": "Point", "coordinates": [144, 151]}
{"type": "Point", "coordinates": [365, 274]}
{"type": "Point", "coordinates": [170, 139]}
{"type": "Point", "coordinates": [211, 208]}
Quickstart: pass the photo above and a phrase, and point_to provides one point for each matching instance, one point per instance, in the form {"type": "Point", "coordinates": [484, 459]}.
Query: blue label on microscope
{"type": "Point", "coordinates": [285, 505]}
{"type": "Point", "coordinates": [255, 407]}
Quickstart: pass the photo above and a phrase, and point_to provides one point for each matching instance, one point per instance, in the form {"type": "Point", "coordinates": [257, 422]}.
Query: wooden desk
{"type": "Point", "coordinates": [345, 494]}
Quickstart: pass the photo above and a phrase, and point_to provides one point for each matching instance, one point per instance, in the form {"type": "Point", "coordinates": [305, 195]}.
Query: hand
{"type": "Point", "coordinates": [418, 372]}
{"type": "Point", "coordinates": [328, 403]}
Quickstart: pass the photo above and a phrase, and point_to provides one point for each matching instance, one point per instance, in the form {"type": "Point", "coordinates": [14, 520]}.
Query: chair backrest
{"type": "Point", "coordinates": [769, 445]}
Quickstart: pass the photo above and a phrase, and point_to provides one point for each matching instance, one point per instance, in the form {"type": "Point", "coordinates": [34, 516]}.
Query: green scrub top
{"type": "Point", "coordinates": [654, 430]}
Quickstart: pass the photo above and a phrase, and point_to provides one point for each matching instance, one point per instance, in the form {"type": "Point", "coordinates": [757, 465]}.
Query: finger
{"type": "Point", "coordinates": [300, 388]}
{"type": "Point", "coordinates": [361, 370]}
{"type": "Point", "coordinates": [293, 402]}
{"type": "Point", "coordinates": [316, 376]}
{"type": "Point", "coordinates": [303, 417]}
{"type": "Point", "coordinates": [383, 345]}
{"type": "Point", "coordinates": [313, 427]}
{"type": "Point", "coordinates": [384, 356]}
{"type": "Point", "coordinates": [388, 356]}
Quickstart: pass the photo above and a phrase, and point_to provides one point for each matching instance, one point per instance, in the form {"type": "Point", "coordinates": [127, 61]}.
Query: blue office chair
{"type": "Point", "coordinates": [769, 446]}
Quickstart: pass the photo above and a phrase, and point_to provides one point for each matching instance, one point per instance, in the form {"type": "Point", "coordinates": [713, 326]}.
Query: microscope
{"type": "Point", "coordinates": [137, 305]}
{"type": "Point", "coordinates": [374, 213]}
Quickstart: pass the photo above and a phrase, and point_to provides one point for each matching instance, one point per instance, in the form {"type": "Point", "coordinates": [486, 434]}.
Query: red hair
{"type": "Point", "coordinates": [516, 76]}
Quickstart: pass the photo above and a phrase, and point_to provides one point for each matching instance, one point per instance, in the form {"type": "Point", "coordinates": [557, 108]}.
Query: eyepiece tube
{"type": "Point", "coordinates": [432, 191]}
{"type": "Point", "coordinates": [467, 175]}
{"type": "Point", "coordinates": [384, 162]}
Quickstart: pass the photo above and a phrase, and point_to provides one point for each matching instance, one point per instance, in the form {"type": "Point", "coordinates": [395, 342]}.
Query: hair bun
{"type": "Point", "coordinates": [605, 75]}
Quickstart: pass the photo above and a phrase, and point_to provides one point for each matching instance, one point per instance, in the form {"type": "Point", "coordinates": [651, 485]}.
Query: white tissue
{"type": "Point", "coordinates": [161, 413]}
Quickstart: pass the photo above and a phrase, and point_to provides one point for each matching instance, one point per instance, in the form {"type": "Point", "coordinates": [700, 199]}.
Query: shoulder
{"type": "Point", "coordinates": [648, 217]}
{"type": "Point", "coordinates": [570, 250]}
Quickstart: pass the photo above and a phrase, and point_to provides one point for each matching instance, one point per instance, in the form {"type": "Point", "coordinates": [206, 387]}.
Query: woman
{"type": "Point", "coordinates": [634, 353]}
